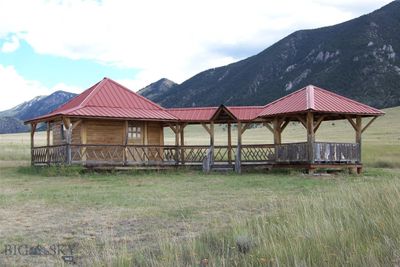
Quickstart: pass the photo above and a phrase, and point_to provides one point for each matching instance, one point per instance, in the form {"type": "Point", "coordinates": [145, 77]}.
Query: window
{"type": "Point", "coordinates": [134, 132]}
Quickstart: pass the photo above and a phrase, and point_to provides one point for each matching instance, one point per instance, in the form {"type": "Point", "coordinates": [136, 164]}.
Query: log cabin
{"type": "Point", "coordinates": [110, 125]}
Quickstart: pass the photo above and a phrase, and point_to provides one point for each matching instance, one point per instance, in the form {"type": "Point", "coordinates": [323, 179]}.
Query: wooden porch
{"type": "Point", "coordinates": [322, 154]}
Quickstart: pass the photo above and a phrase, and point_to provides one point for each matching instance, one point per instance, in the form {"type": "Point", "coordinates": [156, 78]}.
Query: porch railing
{"type": "Point", "coordinates": [56, 154]}
{"type": "Point", "coordinates": [336, 152]}
{"type": "Point", "coordinates": [170, 155]}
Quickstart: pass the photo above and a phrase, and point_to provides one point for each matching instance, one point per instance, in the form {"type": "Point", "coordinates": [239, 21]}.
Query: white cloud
{"type": "Point", "coordinates": [10, 46]}
{"type": "Point", "coordinates": [173, 39]}
{"type": "Point", "coordinates": [16, 89]}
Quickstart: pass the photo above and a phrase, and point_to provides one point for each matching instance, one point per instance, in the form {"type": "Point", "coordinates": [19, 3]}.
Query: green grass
{"type": "Point", "coordinates": [350, 225]}
{"type": "Point", "coordinates": [173, 218]}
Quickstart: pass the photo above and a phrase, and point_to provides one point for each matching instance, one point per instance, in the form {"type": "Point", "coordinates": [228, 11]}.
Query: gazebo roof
{"type": "Point", "coordinates": [205, 114]}
{"type": "Point", "coordinates": [315, 99]}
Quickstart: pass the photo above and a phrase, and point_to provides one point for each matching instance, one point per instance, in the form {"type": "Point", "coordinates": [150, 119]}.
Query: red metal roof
{"type": "Point", "coordinates": [108, 98]}
{"type": "Point", "coordinates": [193, 114]}
{"type": "Point", "coordinates": [312, 98]}
{"type": "Point", "coordinates": [200, 114]}
{"type": "Point", "coordinates": [245, 113]}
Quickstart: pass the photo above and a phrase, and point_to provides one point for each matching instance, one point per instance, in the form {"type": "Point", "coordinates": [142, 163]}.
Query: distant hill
{"type": "Point", "coordinates": [359, 59]}
{"type": "Point", "coordinates": [11, 121]}
{"type": "Point", "coordinates": [157, 88]}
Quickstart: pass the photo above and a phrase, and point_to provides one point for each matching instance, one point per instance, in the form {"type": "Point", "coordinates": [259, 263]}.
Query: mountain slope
{"type": "Point", "coordinates": [359, 59]}
{"type": "Point", "coordinates": [157, 88]}
{"type": "Point", "coordinates": [11, 120]}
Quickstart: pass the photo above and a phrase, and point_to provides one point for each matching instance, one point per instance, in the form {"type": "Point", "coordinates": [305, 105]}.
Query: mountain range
{"type": "Point", "coordinates": [11, 121]}
{"type": "Point", "coordinates": [359, 59]}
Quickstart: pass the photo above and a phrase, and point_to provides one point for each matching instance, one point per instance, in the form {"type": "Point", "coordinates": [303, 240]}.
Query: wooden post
{"type": "Point", "coordinates": [177, 128]}
{"type": "Point", "coordinates": [358, 136]}
{"type": "Point", "coordinates": [48, 143]}
{"type": "Point", "coordinates": [277, 135]}
{"type": "Point", "coordinates": [229, 143]}
{"type": "Point", "coordinates": [182, 133]}
{"type": "Point", "coordinates": [238, 160]}
{"type": "Point", "coordinates": [277, 131]}
{"type": "Point", "coordinates": [83, 141]}
{"type": "Point", "coordinates": [310, 136]}
{"type": "Point", "coordinates": [33, 129]}
{"type": "Point", "coordinates": [67, 125]}
{"type": "Point", "coordinates": [212, 133]}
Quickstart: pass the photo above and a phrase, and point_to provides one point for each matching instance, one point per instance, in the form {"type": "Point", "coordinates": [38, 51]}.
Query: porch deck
{"type": "Point", "coordinates": [280, 155]}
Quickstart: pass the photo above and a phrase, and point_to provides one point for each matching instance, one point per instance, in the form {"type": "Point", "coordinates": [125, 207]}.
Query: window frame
{"type": "Point", "coordinates": [134, 131]}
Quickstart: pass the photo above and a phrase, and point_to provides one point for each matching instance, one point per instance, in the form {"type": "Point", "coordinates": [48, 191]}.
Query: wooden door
{"type": "Point", "coordinates": [135, 137]}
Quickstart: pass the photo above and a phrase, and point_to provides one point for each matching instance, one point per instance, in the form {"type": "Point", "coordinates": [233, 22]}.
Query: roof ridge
{"type": "Point", "coordinates": [91, 94]}
{"type": "Point", "coordinates": [310, 97]}
{"type": "Point", "coordinates": [73, 98]}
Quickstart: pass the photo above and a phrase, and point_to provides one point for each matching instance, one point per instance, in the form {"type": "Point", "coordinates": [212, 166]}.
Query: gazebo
{"type": "Point", "coordinates": [109, 125]}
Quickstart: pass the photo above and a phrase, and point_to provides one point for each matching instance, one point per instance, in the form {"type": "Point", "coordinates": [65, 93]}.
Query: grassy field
{"type": "Point", "coordinates": [186, 218]}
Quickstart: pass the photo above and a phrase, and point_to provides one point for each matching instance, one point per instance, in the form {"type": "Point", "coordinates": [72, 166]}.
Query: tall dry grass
{"type": "Point", "coordinates": [356, 225]}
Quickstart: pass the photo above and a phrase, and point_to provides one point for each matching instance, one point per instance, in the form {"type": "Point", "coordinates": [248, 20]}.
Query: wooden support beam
{"type": "Point", "coordinates": [182, 133]}
{"type": "Point", "coordinates": [66, 122]}
{"type": "Point", "coordinates": [368, 124]}
{"type": "Point", "coordinates": [358, 135]}
{"type": "Point", "coordinates": [75, 124]}
{"type": "Point", "coordinates": [125, 141]}
{"type": "Point", "coordinates": [173, 128]}
{"type": "Point", "coordinates": [284, 125]}
{"type": "Point", "coordinates": [212, 133]}
{"type": "Point", "coordinates": [318, 123]}
{"type": "Point", "coordinates": [352, 122]}
{"type": "Point", "coordinates": [48, 133]}
{"type": "Point", "coordinates": [310, 136]}
{"type": "Point", "coordinates": [48, 142]}
{"type": "Point", "coordinates": [269, 127]}
{"type": "Point", "coordinates": [229, 143]}
{"type": "Point", "coordinates": [176, 143]}
{"type": "Point", "coordinates": [33, 129]}
{"type": "Point", "coordinates": [84, 141]}
{"type": "Point", "coordinates": [302, 120]}
{"type": "Point", "coordinates": [277, 131]}
{"type": "Point", "coordinates": [238, 160]}
{"type": "Point", "coordinates": [145, 137]}
{"type": "Point", "coordinates": [206, 128]}
{"type": "Point", "coordinates": [68, 127]}
{"type": "Point", "coordinates": [126, 127]}
{"type": "Point", "coordinates": [245, 127]}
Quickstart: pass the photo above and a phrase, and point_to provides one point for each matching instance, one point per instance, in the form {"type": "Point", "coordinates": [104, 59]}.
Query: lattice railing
{"type": "Point", "coordinates": [258, 153]}
{"type": "Point", "coordinates": [149, 153]}
{"type": "Point", "coordinates": [156, 154]}
{"type": "Point", "coordinates": [97, 153]}
{"type": "Point", "coordinates": [49, 154]}
{"type": "Point", "coordinates": [193, 153]}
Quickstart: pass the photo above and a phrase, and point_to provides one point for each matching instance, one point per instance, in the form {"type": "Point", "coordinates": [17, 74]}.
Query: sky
{"type": "Point", "coordinates": [50, 45]}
